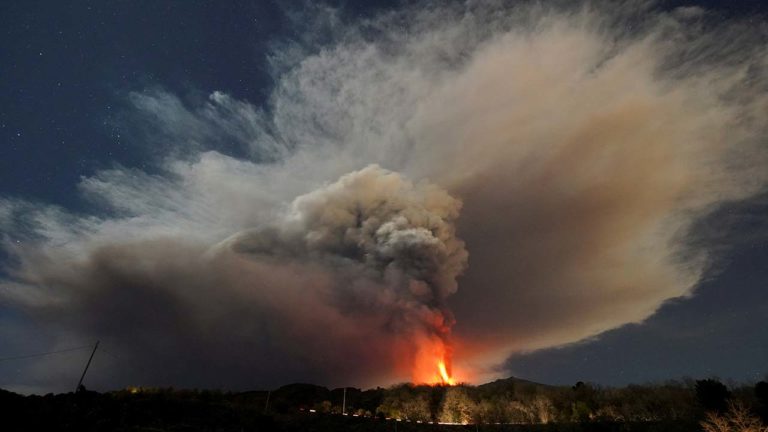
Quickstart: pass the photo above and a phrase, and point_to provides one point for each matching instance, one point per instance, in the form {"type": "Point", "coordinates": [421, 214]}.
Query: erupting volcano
{"type": "Point", "coordinates": [573, 167]}
{"type": "Point", "coordinates": [392, 247]}
{"type": "Point", "coordinates": [433, 363]}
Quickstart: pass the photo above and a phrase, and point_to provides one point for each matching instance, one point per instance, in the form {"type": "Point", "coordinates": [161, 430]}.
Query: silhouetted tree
{"type": "Point", "coordinates": [407, 402]}
{"type": "Point", "coordinates": [585, 402]}
{"type": "Point", "coordinates": [712, 395]}
{"type": "Point", "coordinates": [761, 393]}
{"type": "Point", "coordinates": [457, 407]}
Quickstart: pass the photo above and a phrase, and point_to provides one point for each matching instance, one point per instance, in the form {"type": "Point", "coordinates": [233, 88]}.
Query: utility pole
{"type": "Point", "coordinates": [80, 383]}
{"type": "Point", "coordinates": [344, 403]}
{"type": "Point", "coordinates": [266, 405]}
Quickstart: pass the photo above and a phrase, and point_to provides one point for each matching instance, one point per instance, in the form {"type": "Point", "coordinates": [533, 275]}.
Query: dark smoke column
{"type": "Point", "coordinates": [391, 246]}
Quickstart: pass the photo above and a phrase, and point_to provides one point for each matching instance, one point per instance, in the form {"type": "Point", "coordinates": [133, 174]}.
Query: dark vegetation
{"type": "Point", "coordinates": [503, 405]}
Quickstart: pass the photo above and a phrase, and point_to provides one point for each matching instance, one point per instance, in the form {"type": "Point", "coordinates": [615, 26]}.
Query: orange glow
{"type": "Point", "coordinates": [447, 379]}
{"type": "Point", "coordinates": [432, 363]}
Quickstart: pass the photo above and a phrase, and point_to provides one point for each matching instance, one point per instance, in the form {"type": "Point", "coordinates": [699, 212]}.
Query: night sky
{"type": "Point", "coordinates": [69, 76]}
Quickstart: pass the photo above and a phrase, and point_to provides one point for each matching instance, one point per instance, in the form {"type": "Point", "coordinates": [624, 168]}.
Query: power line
{"type": "Point", "coordinates": [110, 354]}
{"type": "Point", "coordinates": [45, 353]}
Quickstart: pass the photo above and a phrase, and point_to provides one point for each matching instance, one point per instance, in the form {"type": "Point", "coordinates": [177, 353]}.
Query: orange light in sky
{"type": "Point", "coordinates": [432, 363]}
{"type": "Point", "coordinates": [447, 379]}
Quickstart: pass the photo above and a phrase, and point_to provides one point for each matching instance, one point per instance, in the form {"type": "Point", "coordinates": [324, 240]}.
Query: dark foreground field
{"type": "Point", "coordinates": [123, 411]}
{"type": "Point", "coordinates": [503, 405]}
{"type": "Point", "coordinates": [205, 411]}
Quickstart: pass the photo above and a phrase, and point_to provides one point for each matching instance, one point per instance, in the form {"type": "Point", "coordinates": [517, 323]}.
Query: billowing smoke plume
{"type": "Point", "coordinates": [392, 250]}
{"type": "Point", "coordinates": [584, 143]}
{"type": "Point", "coordinates": [353, 275]}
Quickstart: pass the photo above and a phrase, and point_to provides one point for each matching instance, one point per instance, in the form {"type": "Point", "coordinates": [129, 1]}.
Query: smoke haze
{"type": "Point", "coordinates": [500, 178]}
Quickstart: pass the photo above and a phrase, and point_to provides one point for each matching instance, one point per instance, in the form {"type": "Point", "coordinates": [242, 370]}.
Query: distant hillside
{"type": "Point", "coordinates": [511, 383]}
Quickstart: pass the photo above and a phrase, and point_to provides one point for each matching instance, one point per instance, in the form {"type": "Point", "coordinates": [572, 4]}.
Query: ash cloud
{"type": "Point", "coordinates": [571, 155]}
{"type": "Point", "coordinates": [392, 230]}
{"type": "Point", "coordinates": [389, 246]}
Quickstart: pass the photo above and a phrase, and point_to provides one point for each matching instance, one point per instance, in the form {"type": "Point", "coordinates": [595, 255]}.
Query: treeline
{"type": "Point", "coordinates": [514, 401]}
{"type": "Point", "coordinates": [510, 404]}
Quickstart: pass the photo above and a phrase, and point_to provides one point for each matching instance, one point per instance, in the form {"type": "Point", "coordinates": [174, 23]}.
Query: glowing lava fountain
{"type": "Point", "coordinates": [433, 363]}
{"type": "Point", "coordinates": [447, 379]}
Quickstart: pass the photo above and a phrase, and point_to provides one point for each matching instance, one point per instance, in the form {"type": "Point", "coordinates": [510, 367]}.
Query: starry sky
{"type": "Point", "coordinates": [67, 70]}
